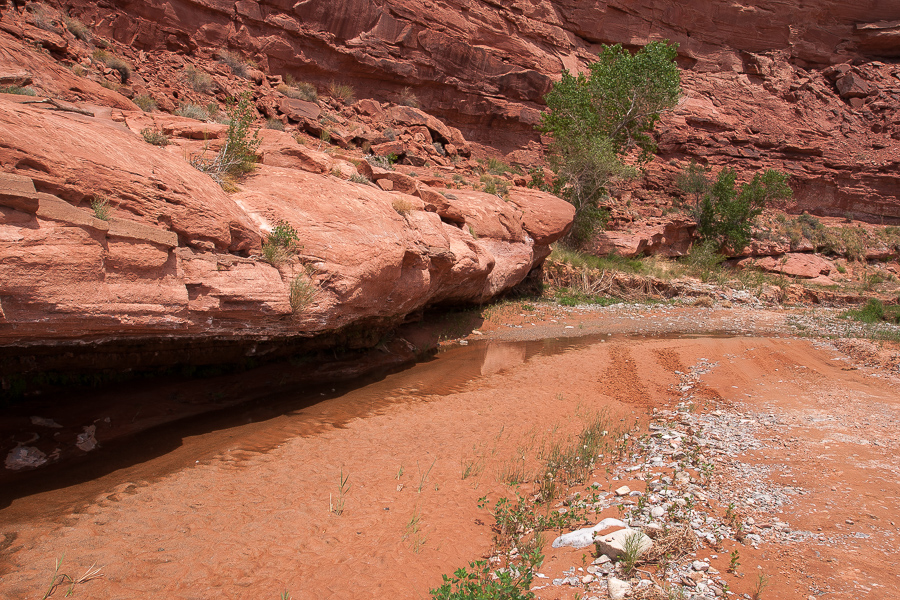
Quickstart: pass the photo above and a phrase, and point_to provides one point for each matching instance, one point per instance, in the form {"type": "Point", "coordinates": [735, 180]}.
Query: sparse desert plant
{"type": "Point", "coordinates": [402, 206]}
{"type": "Point", "coordinates": [408, 98]}
{"type": "Point", "coordinates": [114, 62]}
{"type": "Point", "coordinates": [100, 206]}
{"type": "Point", "coordinates": [337, 505]}
{"type": "Point", "coordinates": [238, 155]}
{"type": "Point", "coordinates": [145, 102]}
{"type": "Point", "coordinates": [424, 476]}
{"type": "Point", "coordinates": [412, 533]}
{"type": "Point", "coordinates": [734, 561]}
{"type": "Point", "coordinates": [274, 124]}
{"type": "Point", "coordinates": [233, 61]}
{"type": "Point", "coordinates": [342, 92]}
{"type": "Point", "coordinates": [472, 467]}
{"type": "Point", "coordinates": [302, 293]}
{"type": "Point", "coordinates": [192, 111]}
{"type": "Point", "coordinates": [59, 579]}
{"type": "Point", "coordinates": [360, 178]}
{"type": "Point", "coordinates": [761, 583]}
{"type": "Point", "coordinates": [280, 244]}
{"type": "Point", "coordinates": [382, 162]}
{"type": "Point", "coordinates": [155, 137]}
{"type": "Point", "coordinates": [77, 28]}
{"type": "Point", "coordinates": [300, 91]}
{"type": "Point", "coordinates": [632, 547]}
{"type": "Point", "coordinates": [199, 80]}
{"type": "Point", "coordinates": [43, 18]}
{"type": "Point", "coordinates": [871, 312]}
{"type": "Point", "coordinates": [16, 89]}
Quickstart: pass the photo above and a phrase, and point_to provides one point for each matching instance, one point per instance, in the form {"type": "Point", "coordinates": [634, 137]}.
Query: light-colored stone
{"type": "Point", "coordinates": [613, 544]}
{"type": "Point", "coordinates": [618, 589]}
{"type": "Point", "coordinates": [623, 491]}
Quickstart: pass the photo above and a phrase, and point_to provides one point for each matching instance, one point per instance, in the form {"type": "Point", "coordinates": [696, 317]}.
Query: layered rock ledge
{"type": "Point", "coordinates": [178, 263]}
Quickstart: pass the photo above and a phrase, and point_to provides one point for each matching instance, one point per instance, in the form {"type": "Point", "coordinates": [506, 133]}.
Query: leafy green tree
{"type": "Point", "coordinates": [725, 214]}
{"type": "Point", "coordinates": [596, 118]}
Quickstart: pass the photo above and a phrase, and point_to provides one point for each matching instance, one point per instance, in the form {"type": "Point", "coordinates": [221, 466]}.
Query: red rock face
{"type": "Point", "coordinates": [180, 258]}
{"type": "Point", "coordinates": [756, 95]}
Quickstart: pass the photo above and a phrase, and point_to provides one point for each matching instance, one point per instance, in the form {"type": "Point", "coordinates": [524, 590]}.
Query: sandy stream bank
{"type": "Point", "coordinates": [807, 433]}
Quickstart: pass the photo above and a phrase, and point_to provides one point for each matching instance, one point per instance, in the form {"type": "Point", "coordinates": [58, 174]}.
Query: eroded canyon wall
{"type": "Point", "coordinates": [758, 92]}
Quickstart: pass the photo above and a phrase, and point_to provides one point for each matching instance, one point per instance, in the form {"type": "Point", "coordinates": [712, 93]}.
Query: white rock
{"type": "Point", "coordinates": [24, 457]}
{"type": "Point", "coordinates": [623, 491]}
{"type": "Point", "coordinates": [657, 511]}
{"type": "Point", "coordinates": [613, 544]}
{"type": "Point", "coordinates": [699, 565]}
{"type": "Point", "coordinates": [582, 538]}
{"type": "Point", "coordinates": [618, 589]}
{"type": "Point", "coordinates": [86, 441]}
{"type": "Point", "coordinates": [42, 422]}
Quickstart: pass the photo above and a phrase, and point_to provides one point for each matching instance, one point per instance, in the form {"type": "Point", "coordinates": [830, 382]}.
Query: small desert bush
{"type": "Point", "coordinates": [274, 124]}
{"type": "Point", "coordinates": [77, 28]}
{"type": "Point", "coordinates": [402, 206]}
{"type": "Point", "coordinates": [238, 155]}
{"type": "Point", "coordinates": [199, 80]}
{"type": "Point", "coordinates": [43, 18]}
{"type": "Point", "coordinates": [192, 111]}
{"type": "Point", "coordinates": [874, 311]}
{"type": "Point", "coordinates": [359, 178]}
{"type": "Point", "coordinates": [15, 89]}
{"type": "Point", "coordinates": [343, 92]}
{"type": "Point", "coordinates": [409, 98]}
{"type": "Point", "coordinates": [234, 62]}
{"type": "Point", "coordinates": [704, 259]}
{"type": "Point", "coordinates": [114, 62]}
{"type": "Point", "coordinates": [299, 91]}
{"type": "Point", "coordinates": [302, 293]}
{"type": "Point", "coordinates": [145, 102]}
{"type": "Point", "coordinates": [155, 137]}
{"type": "Point", "coordinates": [382, 162]}
{"type": "Point", "coordinates": [495, 185]}
{"type": "Point", "coordinates": [496, 166]}
{"type": "Point", "coordinates": [280, 244]}
{"type": "Point", "coordinates": [100, 206]}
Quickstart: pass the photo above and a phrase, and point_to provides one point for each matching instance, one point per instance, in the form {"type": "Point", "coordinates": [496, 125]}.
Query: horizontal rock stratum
{"type": "Point", "coordinates": [179, 257]}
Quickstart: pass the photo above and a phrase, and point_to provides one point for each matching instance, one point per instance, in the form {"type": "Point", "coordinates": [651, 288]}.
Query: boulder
{"type": "Point", "coordinates": [298, 110]}
{"type": "Point", "coordinates": [666, 237]}
{"type": "Point", "coordinates": [852, 85]}
{"type": "Point", "coordinates": [807, 266]}
{"type": "Point", "coordinates": [545, 217]}
{"type": "Point", "coordinates": [582, 538]}
{"type": "Point", "coordinates": [613, 544]}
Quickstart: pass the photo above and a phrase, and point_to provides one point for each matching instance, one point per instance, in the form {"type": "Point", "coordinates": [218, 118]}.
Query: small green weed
{"type": "Point", "coordinates": [337, 506]}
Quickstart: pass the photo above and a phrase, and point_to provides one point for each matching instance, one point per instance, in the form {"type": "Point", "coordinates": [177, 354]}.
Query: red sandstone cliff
{"type": "Point", "coordinates": [758, 83]}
